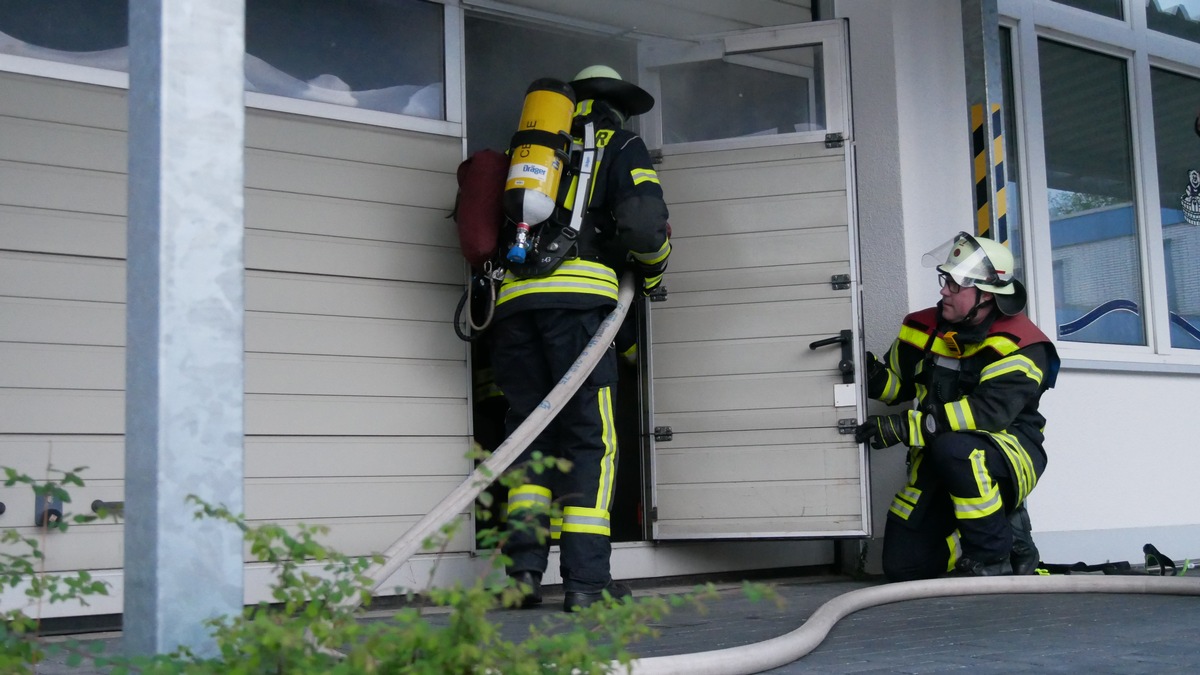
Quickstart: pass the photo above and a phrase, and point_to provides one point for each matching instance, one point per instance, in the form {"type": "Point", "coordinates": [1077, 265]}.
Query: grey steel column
{"type": "Point", "coordinates": [184, 349]}
{"type": "Point", "coordinates": [985, 105]}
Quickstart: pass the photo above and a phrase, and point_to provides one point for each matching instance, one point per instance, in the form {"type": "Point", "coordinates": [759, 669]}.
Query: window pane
{"type": "Point", "coordinates": [1109, 8]}
{"type": "Point", "coordinates": [1180, 18]}
{"type": "Point", "coordinates": [378, 54]}
{"type": "Point", "coordinates": [1011, 163]}
{"type": "Point", "coordinates": [1093, 222]}
{"type": "Point", "coordinates": [497, 78]}
{"type": "Point", "coordinates": [778, 91]}
{"type": "Point", "coordinates": [383, 55]}
{"type": "Point", "coordinates": [1176, 101]}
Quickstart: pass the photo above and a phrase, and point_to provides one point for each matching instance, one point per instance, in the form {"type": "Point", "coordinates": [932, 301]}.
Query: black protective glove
{"type": "Point", "coordinates": [884, 431]}
{"type": "Point", "coordinates": [877, 375]}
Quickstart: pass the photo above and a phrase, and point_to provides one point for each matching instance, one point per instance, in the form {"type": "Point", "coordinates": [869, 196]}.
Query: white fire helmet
{"type": "Point", "coordinates": [982, 263]}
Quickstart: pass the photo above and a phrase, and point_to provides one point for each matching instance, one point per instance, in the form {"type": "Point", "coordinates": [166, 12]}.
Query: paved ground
{"type": "Point", "coordinates": [1039, 633]}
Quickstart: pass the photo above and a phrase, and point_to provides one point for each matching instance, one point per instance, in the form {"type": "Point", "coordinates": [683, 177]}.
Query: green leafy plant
{"type": "Point", "coordinates": [311, 625]}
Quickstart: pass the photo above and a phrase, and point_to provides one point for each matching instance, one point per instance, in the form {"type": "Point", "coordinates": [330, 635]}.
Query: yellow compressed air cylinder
{"type": "Point", "coordinates": [539, 151]}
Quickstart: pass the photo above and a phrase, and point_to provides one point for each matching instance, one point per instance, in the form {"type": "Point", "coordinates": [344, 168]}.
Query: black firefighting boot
{"type": "Point", "coordinates": [1025, 557]}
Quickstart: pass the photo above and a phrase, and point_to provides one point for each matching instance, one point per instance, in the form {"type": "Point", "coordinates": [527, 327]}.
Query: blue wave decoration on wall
{"type": "Point", "coordinates": [1096, 314]}
{"type": "Point", "coordinates": [1187, 327]}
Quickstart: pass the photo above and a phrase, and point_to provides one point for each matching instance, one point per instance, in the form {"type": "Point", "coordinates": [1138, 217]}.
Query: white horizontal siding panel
{"type": "Point", "coordinates": [704, 282]}
{"type": "Point", "coordinates": [271, 415]}
{"type": "Point", "coordinates": [298, 135]}
{"type": "Point", "coordinates": [757, 250]}
{"type": "Point", "coordinates": [762, 499]}
{"type": "Point", "coordinates": [65, 145]}
{"type": "Point", "coordinates": [69, 411]}
{"type": "Point", "coordinates": [310, 214]}
{"type": "Point", "coordinates": [349, 180]}
{"type": "Point", "coordinates": [44, 366]}
{"type": "Point", "coordinates": [787, 212]}
{"type": "Point", "coordinates": [762, 464]}
{"type": "Point", "coordinates": [311, 254]}
{"type": "Point", "coordinates": [693, 429]}
{"type": "Point", "coordinates": [755, 437]}
{"type": "Point", "coordinates": [361, 298]}
{"type": "Point", "coordinates": [758, 320]}
{"type": "Point", "coordinates": [766, 179]}
{"type": "Point", "coordinates": [333, 335]}
{"type": "Point", "coordinates": [30, 275]}
{"type": "Point", "coordinates": [744, 392]}
{"type": "Point", "coordinates": [63, 189]}
{"type": "Point", "coordinates": [732, 357]}
{"type": "Point", "coordinates": [38, 98]}
{"type": "Point", "coordinates": [734, 159]}
{"type": "Point", "coordinates": [103, 457]}
{"type": "Point", "coordinates": [333, 456]}
{"type": "Point", "coordinates": [819, 289]}
{"type": "Point", "coordinates": [62, 232]}
{"type": "Point", "coordinates": [307, 498]}
{"type": "Point", "coordinates": [62, 322]}
{"type": "Point", "coordinates": [765, 527]}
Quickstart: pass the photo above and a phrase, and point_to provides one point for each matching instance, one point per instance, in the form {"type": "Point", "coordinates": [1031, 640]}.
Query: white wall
{"type": "Point", "coordinates": [1122, 453]}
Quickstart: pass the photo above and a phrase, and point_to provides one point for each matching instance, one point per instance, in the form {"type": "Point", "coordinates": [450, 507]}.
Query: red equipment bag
{"type": "Point", "coordinates": [479, 206]}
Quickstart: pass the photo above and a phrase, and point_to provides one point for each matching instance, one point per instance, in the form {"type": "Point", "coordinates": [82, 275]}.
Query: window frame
{"type": "Point", "coordinates": [452, 46]}
{"type": "Point", "coordinates": [1141, 48]}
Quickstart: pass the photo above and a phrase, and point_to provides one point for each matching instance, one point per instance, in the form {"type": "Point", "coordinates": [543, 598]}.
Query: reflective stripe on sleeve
{"type": "Point", "coordinates": [585, 521]}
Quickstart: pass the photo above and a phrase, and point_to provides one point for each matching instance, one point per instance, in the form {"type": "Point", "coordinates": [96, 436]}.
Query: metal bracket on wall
{"type": "Point", "coordinates": [847, 425]}
{"type": "Point", "coordinates": [840, 282]}
{"type": "Point", "coordinates": [663, 434]}
{"type": "Point", "coordinates": [834, 140]}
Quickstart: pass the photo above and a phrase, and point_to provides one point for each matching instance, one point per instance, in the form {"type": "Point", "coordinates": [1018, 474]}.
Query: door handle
{"type": "Point", "coordinates": [846, 365]}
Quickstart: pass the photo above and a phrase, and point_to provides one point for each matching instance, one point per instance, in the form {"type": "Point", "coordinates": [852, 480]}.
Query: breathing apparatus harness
{"type": "Point", "coordinates": [542, 247]}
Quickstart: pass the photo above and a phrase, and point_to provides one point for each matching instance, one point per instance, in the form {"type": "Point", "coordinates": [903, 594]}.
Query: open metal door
{"type": "Point", "coordinates": [753, 348]}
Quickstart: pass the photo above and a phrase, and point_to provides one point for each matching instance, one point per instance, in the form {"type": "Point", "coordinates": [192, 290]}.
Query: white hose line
{"type": "Point", "coordinates": [776, 652]}
{"type": "Point", "coordinates": [508, 451]}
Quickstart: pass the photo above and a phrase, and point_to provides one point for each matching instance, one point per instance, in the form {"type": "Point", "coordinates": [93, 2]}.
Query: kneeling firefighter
{"type": "Point", "coordinates": [608, 214]}
{"type": "Point", "coordinates": [976, 368]}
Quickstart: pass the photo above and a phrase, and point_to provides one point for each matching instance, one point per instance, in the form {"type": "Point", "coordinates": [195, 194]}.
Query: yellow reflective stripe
{"type": "Point", "coordinates": [916, 436]}
{"type": "Point", "coordinates": [954, 543]}
{"type": "Point", "coordinates": [584, 107]}
{"type": "Point", "coordinates": [530, 497]}
{"type": "Point", "coordinates": [1018, 363]}
{"type": "Point", "coordinates": [959, 415]}
{"type": "Point", "coordinates": [655, 257]}
{"type": "Point", "coordinates": [555, 528]}
{"type": "Point", "coordinates": [905, 501]}
{"type": "Point", "coordinates": [585, 521]}
{"type": "Point", "coordinates": [988, 501]}
{"type": "Point", "coordinates": [644, 176]}
{"type": "Point", "coordinates": [891, 388]}
{"type": "Point", "coordinates": [569, 202]}
{"type": "Point", "coordinates": [608, 463]}
{"type": "Point", "coordinates": [573, 276]}
{"type": "Point", "coordinates": [914, 337]}
{"type": "Point", "coordinates": [1019, 459]}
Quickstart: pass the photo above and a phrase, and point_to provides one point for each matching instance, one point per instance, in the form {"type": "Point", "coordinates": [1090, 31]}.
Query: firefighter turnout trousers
{"type": "Point", "coordinates": [961, 488]}
{"type": "Point", "coordinates": [531, 352]}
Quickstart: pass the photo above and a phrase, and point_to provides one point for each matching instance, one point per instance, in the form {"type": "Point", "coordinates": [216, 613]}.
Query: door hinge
{"type": "Point", "coordinates": [840, 281]}
{"type": "Point", "coordinates": [659, 294]}
{"type": "Point", "coordinates": [653, 513]}
{"type": "Point", "coordinates": [846, 426]}
{"type": "Point", "coordinates": [834, 140]}
{"type": "Point", "coordinates": [663, 434]}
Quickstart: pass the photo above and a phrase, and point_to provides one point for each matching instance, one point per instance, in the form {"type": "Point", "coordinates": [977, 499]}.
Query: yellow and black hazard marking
{"type": "Point", "coordinates": [983, 208]}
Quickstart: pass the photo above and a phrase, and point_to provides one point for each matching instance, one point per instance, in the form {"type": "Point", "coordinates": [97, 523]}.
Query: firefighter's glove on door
{"type": "Point", "coordinates": [910, 428]}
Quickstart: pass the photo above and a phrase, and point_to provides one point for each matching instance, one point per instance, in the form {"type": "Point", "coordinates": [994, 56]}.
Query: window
{"type": "Point", "coordinates": [1176, 102]}
{"type": "Point", "coordinates": [497, 75]}
{"type": "Point", "coordinates": [763, 93]}
{"type": "Point", "coordinates": [1109, 8]}
{"type": "Point", "coordinates": [1180, 18]}
{"type": "Point", "coordinates": [1012, 165]}
{"type": "Point", "coordinates": [383, 55]}
{"type": "Point", "coordinates": [1094, 227]}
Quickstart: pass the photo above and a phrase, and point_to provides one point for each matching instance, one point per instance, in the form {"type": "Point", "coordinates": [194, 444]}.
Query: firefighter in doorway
{"type": "Point", "coordinates": [976, 368]}
{"type": "Point", "coordinates": [543, 323]}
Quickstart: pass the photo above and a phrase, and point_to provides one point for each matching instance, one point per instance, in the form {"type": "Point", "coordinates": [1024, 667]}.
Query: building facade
{"type": "Point", "coordinates": [811, 153]}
